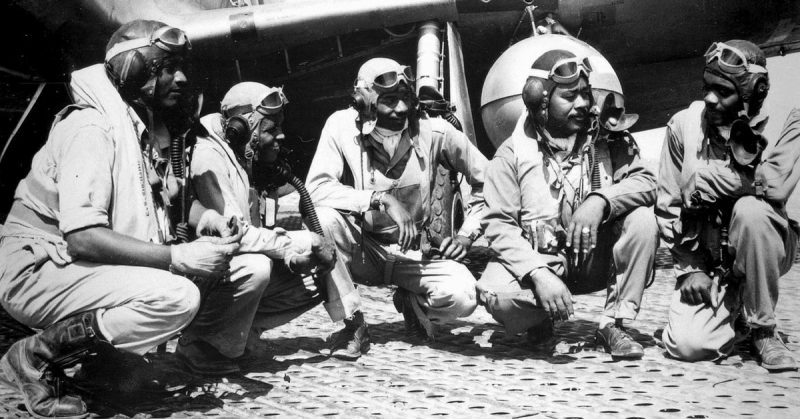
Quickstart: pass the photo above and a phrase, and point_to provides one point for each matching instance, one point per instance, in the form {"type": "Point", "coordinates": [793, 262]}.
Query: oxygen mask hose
{"type": "Point", "coordinates": [282, 171]}
{"type": "Point", "coordinates": [177, 149]}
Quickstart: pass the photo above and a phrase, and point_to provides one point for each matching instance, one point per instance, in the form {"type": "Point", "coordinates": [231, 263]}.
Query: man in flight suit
{"type": "Point", "coordinates": [722, 193]}
{"type": "Point", "coordinates": [247, 128]}
{"type": "Point", "coordinates": [84, 247]}
{"type": "Point", "coordinates": [371, 178]}
{"type": "Point", "coordinates": [566, 214]}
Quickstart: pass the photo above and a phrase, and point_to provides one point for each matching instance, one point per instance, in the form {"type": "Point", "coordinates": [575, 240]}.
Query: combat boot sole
{"type": "Point", "coordinates": [9, 377]}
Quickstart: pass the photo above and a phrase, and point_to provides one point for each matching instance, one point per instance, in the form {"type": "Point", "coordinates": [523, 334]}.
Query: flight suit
{"type": "Point", "coordinates": [696, 171]}
{"type": "Point", "coordinates": [527, 191]}
{"type": "Point", "coordinates": [254, 290]}
{"type": "Point", "coordinates": [91, 172]}
{"type": "Point", "coordinates": [347, 169]}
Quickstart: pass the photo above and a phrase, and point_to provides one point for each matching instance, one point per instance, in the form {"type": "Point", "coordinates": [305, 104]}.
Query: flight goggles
{"type": "Point", "coordinates": [390, 79]}
{"type": "Point", "coordinates": [731, 60]}
{"type": "Point", "coordinates": [565, 71]}
{"type": "Point", "coordinates": [166, 38]}
{"type": "Point", "coordinates": [270, 105]}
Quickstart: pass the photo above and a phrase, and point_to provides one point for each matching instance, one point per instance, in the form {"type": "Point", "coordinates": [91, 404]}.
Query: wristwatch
{"type": "Point", "coordinates": [376, 202]}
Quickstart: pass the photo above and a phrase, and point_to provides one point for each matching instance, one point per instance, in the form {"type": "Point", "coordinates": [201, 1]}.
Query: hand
{"type": "Point", "coordinates": [698, 288]}
{"type": "Point", "coordinates": [582, 231]}
{"type": "Point", "coordinates": [206, 257]}
{"type": "Point", "coordinates": [552, 294]}
{"type": "Point", "coordinates": [318, 261]}
{"type": "Point", "coordinates": [405, 224]}
{"type": "Point", "coordinates": [455, 249]}
{"type": "Point", "coordinates": [212, 223]}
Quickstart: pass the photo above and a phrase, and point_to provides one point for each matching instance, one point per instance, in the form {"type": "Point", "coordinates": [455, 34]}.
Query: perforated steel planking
{"type": "Point", "coordinates": [474, 369]}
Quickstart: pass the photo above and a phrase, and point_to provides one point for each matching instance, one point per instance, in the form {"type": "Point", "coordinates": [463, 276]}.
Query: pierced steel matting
{"type": "Point", "coordinates": [474, 369]}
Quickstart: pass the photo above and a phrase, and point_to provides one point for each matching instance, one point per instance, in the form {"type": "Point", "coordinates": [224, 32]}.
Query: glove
{"type": "Point", "coordinates": [211, 223]}
{"type": "Point", "coordinates": [206, 257]}
{"type": "Point", "coordinates": [318, 261]}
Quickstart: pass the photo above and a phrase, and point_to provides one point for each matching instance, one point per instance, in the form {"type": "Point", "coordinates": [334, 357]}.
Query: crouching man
{"type": "Point", "coordinates": [83, 248]}
{"type": "Point", "coordinates": [248, 128]}
{"type": "Point", "coordinates": [565, 215]}
{"type": "Point", "coordinates": [722, 192]}
{"type": "Point", "coordinates": [371, 178]}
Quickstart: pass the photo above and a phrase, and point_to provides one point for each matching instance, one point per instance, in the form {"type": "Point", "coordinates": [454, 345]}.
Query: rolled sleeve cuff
{"type": "Point", "coordinates": [613, 212]}
{"type": "Point", "coordinates": [77, 220]}
{"type": "Point", "coordinates": [471, 228]}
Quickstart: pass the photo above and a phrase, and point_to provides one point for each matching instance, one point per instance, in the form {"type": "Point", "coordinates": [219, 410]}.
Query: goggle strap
{"type": "Point", "coordinates": [126, 46]}
{"type": "Point", "coordinates": [238, 110]}
{"type": "Point", "coordinates": [542, 74]}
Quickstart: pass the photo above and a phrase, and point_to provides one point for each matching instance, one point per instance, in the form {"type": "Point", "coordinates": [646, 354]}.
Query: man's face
{"type": "Point", "coordinates": [393, 107]}
{"type": "Point", "coordinates": [171, 84]}
{"type": "Point", "coordinates": [569, 109]}
{"type": "Point", "coordinates": [269, 137]}
{"type": "Point", "coordinates": [721, 98]}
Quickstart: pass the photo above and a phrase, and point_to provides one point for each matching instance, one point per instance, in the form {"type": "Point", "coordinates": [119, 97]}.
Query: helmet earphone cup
{"type": "Point", "coordinates": [363, 105]}
{"type": "Point", "coordinates": [758, 88]}
{"type": "Point", "coordinates": [129, 71]}
{"type": "Point", "coordinates": [237, 130]}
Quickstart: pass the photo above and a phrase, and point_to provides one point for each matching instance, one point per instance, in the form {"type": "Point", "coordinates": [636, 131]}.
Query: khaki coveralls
{"type": "Point", "coordinates": [91, 172]}
{"type": "Point", "coordinates": [344, 174]}
{"type": "Point", "coordinates": [695, 159]}
{"type": "Point", "coordinates": [228, 315]}
{"type": "Point", "coordinates": [524, 191]}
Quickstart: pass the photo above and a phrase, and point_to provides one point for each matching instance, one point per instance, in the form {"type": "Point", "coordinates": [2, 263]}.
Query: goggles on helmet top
{"type": "Point", "coordinates": [166, 38]}
{"type": "Point", "coordinates": [389, 80]}
{"type": "Point", "coordinates": [731, 60]}
{"type": "Point", "coordinates": [565, 71]}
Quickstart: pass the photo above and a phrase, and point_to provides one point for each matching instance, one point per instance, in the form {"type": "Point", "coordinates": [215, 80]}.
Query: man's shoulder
{"type": "Point", "coordinates": [690, 115]}
{"type": "Point", "coordinates": [343, 118]}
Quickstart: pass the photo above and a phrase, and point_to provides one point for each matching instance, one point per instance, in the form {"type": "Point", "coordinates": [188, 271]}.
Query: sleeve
{"type": "Point", "coordinates": [634, 184]}
{"type": "Point", "coordinates": [460, 155]}
{"type": "Point", "coordinates": [275, 243]}
{"type": "Point", "coordinates": [777, 174]}
{"type": "Point", "coordinates": [84, 175]}
{"type": "Point", "coordinates": [501, 218]}
{"type": "Point", "coordinates": [686, 255]}
{"type": "Point", "coordinates": [324, 181]}
{"type": "Point", "coordinates": [209, 180]}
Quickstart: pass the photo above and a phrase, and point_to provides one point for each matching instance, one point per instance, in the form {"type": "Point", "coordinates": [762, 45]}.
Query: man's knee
{"type": "Point", "coordinates": [330, 218]}
{"type": "Point", "coordinates": [455, 297]}
{"type": "Point", "coordinates": [251, 271]}
{"type": "Point", "coordinates": [515, 310]}
{"type": "Point", "coordinates": [751, 214]}
{"type": "Point", "coordinates": [641, 227]}
{"type": "Point", "coordinates": [688, 345]}
{"type": "Point", "coordinates": [179, 298]}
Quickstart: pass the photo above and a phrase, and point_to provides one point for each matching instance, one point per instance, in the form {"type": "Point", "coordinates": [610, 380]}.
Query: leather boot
{"type": "Point", "coordinates": [352, 341]}
{"type": "Point", "coordinates": [34, 365]}
{"type": "Point", "coordinates": [769, 347]}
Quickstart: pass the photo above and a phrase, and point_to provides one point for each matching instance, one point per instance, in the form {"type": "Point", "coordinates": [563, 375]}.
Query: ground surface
{"type": "Point", "coordinates": [474, 369]}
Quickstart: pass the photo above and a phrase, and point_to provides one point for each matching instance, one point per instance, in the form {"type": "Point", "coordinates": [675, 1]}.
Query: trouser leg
{"type": "Point", "coordinates": [510, 302]}
{"type": "Point", "coordinates": [140, 307]}
{"type": "Point", "coordinates": [343, 298]}
{"type": "Point", "coordinates": [634, 255]}
{"type": "Point", "coordinates": [701, 332]}
{"type": "Point", "coordinates": [763, 247]}
{"type": "Point", "coordinates": [445, 289]}
{"type": "Point", "coordinates": [228, 307]}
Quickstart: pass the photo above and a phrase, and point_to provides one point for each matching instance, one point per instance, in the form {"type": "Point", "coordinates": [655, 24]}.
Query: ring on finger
{"type": "Point", "coordinates": [585, 230]}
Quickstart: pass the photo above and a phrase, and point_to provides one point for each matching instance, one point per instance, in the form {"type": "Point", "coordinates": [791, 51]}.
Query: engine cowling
{"type": "Point", "coordinates": [501, 96]}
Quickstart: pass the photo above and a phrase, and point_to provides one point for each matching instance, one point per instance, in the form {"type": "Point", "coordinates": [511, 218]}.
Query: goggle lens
{"type": "Point", "coordinates": [570, 69]}
{"type": "Point", "coordinates": [731, 60]}
{"type": "Point", "coordinates": [273, 102]}
{"type": "Point", "coordinates": [390, 79]}
{"type": "Point", "coordinates": [172, 40]}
